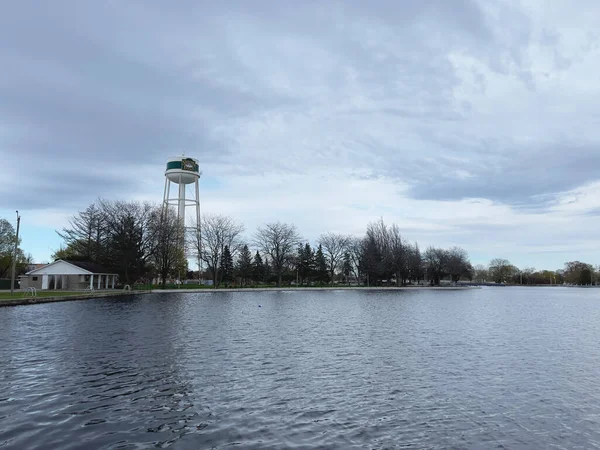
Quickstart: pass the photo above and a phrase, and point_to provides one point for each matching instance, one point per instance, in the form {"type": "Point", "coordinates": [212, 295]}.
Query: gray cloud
{"type": "Point", "coordinates": [282, 87]}
{"type": "Point", "coordinates": [524, 177]}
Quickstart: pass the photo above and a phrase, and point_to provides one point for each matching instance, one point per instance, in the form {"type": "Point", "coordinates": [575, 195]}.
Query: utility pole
{"type": "Point", "coordinates": [14, 261]}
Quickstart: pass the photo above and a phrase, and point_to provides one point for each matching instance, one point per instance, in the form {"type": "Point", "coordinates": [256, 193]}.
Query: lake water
{"type": "Point", "coordinates": [513, 368]}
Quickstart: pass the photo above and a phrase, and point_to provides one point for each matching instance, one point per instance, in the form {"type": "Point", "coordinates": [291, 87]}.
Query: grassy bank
{"type": "Point", "coordinates": [171, 287]}
{"type": "Point", "coordinates": [19, 298]}
{"type": "Point", "coordinates": [40, 294]}
{"type": "Point", "coordinates": [316, 288]}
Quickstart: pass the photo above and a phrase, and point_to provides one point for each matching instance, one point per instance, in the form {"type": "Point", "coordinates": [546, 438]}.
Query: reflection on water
{"type": "Point", "coordinates": [505, 368]}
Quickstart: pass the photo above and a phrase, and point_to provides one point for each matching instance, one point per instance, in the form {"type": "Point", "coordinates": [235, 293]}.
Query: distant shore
{"type": "Point", "coordinates": [322, 288]}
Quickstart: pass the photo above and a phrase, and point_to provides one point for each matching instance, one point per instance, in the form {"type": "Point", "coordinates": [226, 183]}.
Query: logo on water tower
{"type": "Point", "coordinates": [189, 164]}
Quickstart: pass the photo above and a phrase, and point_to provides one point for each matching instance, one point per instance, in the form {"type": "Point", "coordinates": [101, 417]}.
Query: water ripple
{"type": "Point", "coordinates": [491, 368]}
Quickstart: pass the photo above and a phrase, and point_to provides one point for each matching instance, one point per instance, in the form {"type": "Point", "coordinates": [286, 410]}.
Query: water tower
{"type": "Point", "coordinates": [183, 172]}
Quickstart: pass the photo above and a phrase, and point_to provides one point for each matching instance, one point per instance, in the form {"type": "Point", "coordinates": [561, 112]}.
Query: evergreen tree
{"type": "Point", "coordinates": [244, 267]}
{"type": "Point", "coordinates": [268, 274]}
{"type": "Point", "coordinates": [347, 267]}
{"type": "Point", "coordinates": [226, 266]}
{"type": "Point", "coordinates": [305, 262]}
{"type": "Point", "coordinates": [299, 265]}
{"type": "Point", "coordinates": [322, 274]}
{"type": "Point", "coordinates": [258, 268]}
{"type": "Point", "coordinates": [309, 260]}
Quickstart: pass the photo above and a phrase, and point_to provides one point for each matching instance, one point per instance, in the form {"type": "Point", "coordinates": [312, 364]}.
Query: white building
{"type": "Point", "coordinates": [69, 275]}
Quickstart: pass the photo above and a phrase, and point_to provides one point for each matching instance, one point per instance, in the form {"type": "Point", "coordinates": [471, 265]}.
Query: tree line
{"type": "Point", "coordinates": [136, 240]}
{"type": "Point", "coordinates": [141, 241]}
{"type": "Point", "coordinates": [502, 271]}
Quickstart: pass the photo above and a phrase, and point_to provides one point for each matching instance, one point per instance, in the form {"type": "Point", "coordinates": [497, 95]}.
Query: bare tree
{"type": "Point", "coordinates": [577, 272]}
{"type": "Point", "coordinates": [278, 240]}
{"type": "Point", "coordinates": [168, 254]}
{"type": "Point", "coordinates": [355, 249]}
{"type": "Point", "coordinates": [415, 263]}
{"type": "Point", "coordinates": [436, 263]}
{"type": "Point", "coordinates": [458, 264]}
{"type": "Point", "coordinates": [87, 236]}
{"type": "Point", "coordinates": [500, 269]}
{"type": "Point", "coordinates": [481, 273]}
{"type": "Point", "coordinates": [525, 275]}
{"type": "Point", "coordinates": [385, 253]}
{"type": "Point", "coordinates": [334, 246]}
{"type": "Point", "coordinates": [218, 232]}
{"type": "Point", "coordinates": [376, 255]}
{"type": "Point", "coordinates": [397, 254]}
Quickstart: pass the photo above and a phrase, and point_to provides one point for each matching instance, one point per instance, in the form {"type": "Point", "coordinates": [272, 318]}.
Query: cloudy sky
{"type": "Point", "coordinates": [467, 123]}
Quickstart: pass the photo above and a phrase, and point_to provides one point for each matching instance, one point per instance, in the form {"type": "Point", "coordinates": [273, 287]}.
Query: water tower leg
{"type": "Point", "coordinates": [197, 205]}
{"type": "Point", "coordinates": [167, 200]}
{"type": "Point", "coordinates": [181, 211]}
{"type": "Point", "coordinates": [198, 229]}
{"type": "Point", "coordinates": [165, 195]}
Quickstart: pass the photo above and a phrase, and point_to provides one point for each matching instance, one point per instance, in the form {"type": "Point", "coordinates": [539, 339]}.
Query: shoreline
{"type": "Point", "coordinates": [66, 298]}
{"type": "Point", "coordinates": [324, 288]}
{"type": "Point", "coordinates": [88, 296]}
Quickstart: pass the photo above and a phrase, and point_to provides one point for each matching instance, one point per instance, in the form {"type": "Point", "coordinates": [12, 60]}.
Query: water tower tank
{"type": "Point", "coordinates": [182, 170]}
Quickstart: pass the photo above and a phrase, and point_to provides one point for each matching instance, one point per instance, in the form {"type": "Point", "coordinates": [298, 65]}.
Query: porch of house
{"type": "Point", "coordinates": [69, 275]}
{"type": "Point", "coordinates": [97, 281]}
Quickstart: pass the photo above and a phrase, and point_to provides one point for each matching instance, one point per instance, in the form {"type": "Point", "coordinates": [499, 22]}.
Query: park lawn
{"type": "Point", "coordinates": [21, 294]}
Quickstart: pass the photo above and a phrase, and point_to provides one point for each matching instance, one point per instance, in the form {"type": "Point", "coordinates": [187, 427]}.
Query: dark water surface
{"type": "Point", "coordinates": [508, 368]}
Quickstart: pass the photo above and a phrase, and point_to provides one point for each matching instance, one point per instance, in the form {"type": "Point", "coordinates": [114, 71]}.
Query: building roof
{"type": "Point", "coordinates": [90, 267]}
{"type": "Point", "coordinates": [62, 267]}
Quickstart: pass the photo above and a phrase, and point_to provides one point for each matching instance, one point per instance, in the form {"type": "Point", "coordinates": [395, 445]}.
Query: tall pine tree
{"type": "Point", "coordinates": [299, 266]}
{"type": "Point", "coordinates": [258, 269]}
{"type": "Point", "coordinates": [226, 266]}
{"type": "Point", "coordinates": [305, 262]}
{"type": "Point", "coordinates": [244, 265]}
{"type": "Point", "coordinates": [347, 267]}
{"type": "Point", "coordinates": [322, 275]}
